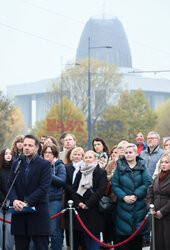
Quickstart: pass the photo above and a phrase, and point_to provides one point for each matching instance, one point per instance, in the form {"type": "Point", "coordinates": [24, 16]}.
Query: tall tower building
{"type": "Point", "coordinates": [103, 32]}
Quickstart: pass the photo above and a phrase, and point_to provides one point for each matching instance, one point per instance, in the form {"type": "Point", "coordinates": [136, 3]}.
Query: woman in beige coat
{"type": "Point", "coordinates": [159, 195]}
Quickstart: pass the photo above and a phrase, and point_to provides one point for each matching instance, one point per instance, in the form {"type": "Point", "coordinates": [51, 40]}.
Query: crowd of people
{"type": "Point", "coordinates": [51, 172]}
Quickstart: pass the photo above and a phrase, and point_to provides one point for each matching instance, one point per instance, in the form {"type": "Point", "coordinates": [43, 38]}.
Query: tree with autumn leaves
{"type": "Point", "coordinates": [72, 122]}
{"type": "Point", "coordinates": [106, 85]}
{"type": "Point", "coordinates": [125, 120]}
{"type": "Point", "coordinates": [16, 126]}
{"type": "Point", "coordinates": [163, 125]}
{"type": "Point", "coordinates": [11, 121]}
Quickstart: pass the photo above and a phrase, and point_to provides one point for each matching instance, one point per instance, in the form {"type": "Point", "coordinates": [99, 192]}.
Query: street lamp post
{"type": "Point", "coordinates": [89, 99]}
{"type": "Point", "coordinates": [61, 95]}
{"type": "Point", "coordinates": [89, 91]}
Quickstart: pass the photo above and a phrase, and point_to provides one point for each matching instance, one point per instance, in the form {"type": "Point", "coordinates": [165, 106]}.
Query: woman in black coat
{"type": "Point", "coordinates": [5, 166]}
{"type": "Point", "coordinates": [76, 157]}
{"type": "Point", "coordinates": [89, 186]}
{"type": "Point", "coordinates": [102, 151]}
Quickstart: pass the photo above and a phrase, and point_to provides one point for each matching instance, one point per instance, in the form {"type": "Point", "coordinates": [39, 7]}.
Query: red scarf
{"type": "Point", "coordinates": [140, 148]}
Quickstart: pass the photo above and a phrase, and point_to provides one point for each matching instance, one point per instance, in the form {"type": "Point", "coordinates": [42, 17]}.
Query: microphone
{"type": "Point", "coordinates": [21, 157]}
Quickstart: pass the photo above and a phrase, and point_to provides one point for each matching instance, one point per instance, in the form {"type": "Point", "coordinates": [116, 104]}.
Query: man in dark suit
{"type": "Point", "coordinates": [31, 188]}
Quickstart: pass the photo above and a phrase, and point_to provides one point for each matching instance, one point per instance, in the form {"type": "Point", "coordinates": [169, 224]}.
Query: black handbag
{"type": "Point", "coordinates": [105, 205]}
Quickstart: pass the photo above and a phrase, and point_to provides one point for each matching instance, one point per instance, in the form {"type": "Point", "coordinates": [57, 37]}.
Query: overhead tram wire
{"type": "Point", "coordinates": [36, 36]}
{"type": "Point", "coordinates": [71, 48]}
{"type": "Point", "coordinates": [78, 21]}
{"type": "Point", "coordinates": [148, 71]}
{"type": "Point", "coordinates": [50, 11]}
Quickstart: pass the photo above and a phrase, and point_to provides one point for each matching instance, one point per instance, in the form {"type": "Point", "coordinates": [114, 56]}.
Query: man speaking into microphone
{"type": "Point", "coordinates": [30, 189]}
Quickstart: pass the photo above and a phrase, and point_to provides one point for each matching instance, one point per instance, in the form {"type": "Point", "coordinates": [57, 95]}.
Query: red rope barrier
{"type": "Point", "coordinates": [7, 221]}
{"type": "Point", "coordinates": [104, 244]}
{"type": "Point", "coordinates": [56, 215]}
{"type": "Point", "coordinates": [85, 228]}
{"type": "Point", "coordinates": [52, 217]}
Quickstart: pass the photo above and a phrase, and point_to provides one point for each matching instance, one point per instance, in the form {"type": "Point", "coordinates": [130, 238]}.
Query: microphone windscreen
{"type": "Point", "coordinates": [21, 157]}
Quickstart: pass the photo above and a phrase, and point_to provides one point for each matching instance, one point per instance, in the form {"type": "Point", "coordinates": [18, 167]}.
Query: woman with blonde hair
{"type": "Point", "coordinates": [166, 147]}
{"type": "Point", "coordinates": [88, 188]}
{"type": "Point", "coordinates": [121, 148]}
{"type": "Point", "coordinates": [76, 156]}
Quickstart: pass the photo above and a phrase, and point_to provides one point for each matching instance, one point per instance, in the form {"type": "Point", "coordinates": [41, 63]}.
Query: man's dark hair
{"type": "Point", "coordinates": [33, 138]}
{"type": "Point", "coordinates": [45, 136]}
{"type": "Point", "coordinates": [63, 135]}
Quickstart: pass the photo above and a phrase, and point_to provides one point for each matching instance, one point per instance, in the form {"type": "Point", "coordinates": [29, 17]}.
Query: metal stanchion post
{"type": "Point", "coordinates": [70, 204]}
{"type": "Point", "coordinates": [152, 211]}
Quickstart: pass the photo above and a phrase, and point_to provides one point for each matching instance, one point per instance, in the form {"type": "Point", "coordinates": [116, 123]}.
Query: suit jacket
{"type": "Point", "coordinates": [32, 185]}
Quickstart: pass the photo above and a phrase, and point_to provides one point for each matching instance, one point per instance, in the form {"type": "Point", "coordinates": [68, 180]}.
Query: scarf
{"type": "Point", "coordinates": [101, 155]}
{"type": "Point", "coordinates": [77, 166]}
{"type": "Point", "coordinates": [86, 178]}
{"type": "Point", "coordinates": [163, 175]}
{"type": "Point", "coordinates": [53, 161]}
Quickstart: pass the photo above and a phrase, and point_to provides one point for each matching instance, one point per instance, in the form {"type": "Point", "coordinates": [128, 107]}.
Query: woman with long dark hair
{"type": "Point", "coordinates": [102, 152]}
{"type": "Point", "coordinates": [100, 146]}
{"type": "Point", "coordinates": [5, 166]}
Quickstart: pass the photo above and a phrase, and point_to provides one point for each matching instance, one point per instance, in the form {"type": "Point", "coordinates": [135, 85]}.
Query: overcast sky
{"type": "Point", "coordinates": [36, 34]}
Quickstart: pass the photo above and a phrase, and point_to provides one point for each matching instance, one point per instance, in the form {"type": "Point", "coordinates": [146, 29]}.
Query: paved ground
{"type": "Point", "coordinates": [65, 248]}
{"type": "Point", "coordinates": [144, 248]}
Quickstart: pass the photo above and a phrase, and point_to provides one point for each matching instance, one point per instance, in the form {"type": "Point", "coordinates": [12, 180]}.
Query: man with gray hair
{"type": "Point", "coordinates": [153, 152]}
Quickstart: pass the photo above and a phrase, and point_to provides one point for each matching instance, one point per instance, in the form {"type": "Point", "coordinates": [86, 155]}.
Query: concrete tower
{"type": "Point", "coordinates": [103, 32]}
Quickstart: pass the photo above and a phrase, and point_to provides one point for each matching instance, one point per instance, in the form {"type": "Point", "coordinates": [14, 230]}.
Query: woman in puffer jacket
{"type": "Point", "coordinates": [130, 182]}
{"type": "Point", "coordinates": [50, 152]}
